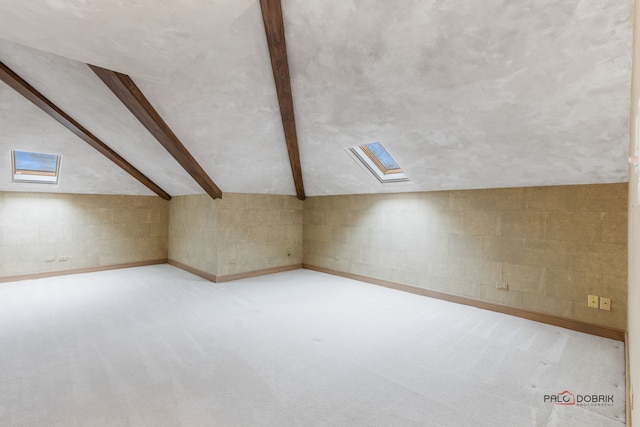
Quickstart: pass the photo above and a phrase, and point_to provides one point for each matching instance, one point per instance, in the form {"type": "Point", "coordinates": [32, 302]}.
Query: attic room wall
{"type": "Point", "coordinates": [258, 232]}
{"type": "Point", "coordinates": [192, 232]}
{"type": "Point", "coordinates": [552, 245]}
{"type": "Point", "coordinates": [91, 230]}
{"type": "Point", "coordinates": [633, 321]}
{"type": "Point", "coordinates": [236, 235]}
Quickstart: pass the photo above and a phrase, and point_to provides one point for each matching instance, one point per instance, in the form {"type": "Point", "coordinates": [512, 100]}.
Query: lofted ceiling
{"type": "Point", "coordinates": [147, 38]}
{"type": "Point", "coordinates": [464, 95]}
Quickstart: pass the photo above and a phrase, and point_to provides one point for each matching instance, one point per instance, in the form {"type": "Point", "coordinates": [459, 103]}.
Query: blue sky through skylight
{"type": "Point", "coordinates": [39, 162]}
{"type": "Point", "coordinates": [381, 154]}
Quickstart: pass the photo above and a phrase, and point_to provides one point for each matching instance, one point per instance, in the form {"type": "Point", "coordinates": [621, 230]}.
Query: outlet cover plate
{"type": "Point", "coordinates": [592, 302]}
{"type": "Point", "coordinates": [605, 303]}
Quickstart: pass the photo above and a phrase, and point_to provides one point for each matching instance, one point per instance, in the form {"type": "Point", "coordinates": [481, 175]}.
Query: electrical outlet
{"type": "Point", "coordinates": [63, 258]}
{"type": "Point", "coordinates": [502, 286]}
{"type": "Point", "coordinates": [592, 301]}
{"type": "Point", "coordinates": [605, 303]}
{"type": "Point", "coordinates": [49, 259]}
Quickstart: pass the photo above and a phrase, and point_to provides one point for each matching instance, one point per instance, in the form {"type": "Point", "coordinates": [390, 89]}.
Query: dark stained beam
{"type": "Point", "coordinates": [25, 89]}
{"type": "Point", "coordinates": [132, 97]}
{"type": "Point", "coordinates": [274, 27]}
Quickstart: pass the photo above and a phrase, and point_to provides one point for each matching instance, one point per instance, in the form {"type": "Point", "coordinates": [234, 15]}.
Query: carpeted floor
{"type": "Point", "coordinates": [156, 346]}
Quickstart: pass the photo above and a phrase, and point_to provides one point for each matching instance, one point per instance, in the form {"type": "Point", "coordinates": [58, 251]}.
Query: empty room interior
{"type": "Point", "coordinates": [337, 213]}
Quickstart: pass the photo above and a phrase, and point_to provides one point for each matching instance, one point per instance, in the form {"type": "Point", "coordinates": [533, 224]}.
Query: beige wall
{"type": "Point", "coordinates": [552, 245]}
{"type": "Point", "coordinates": [91, 230]}
{"type": "Point", "coordinates": [192, 232]}
{"type": "Point", "coordinates": [633, 320]}
{"type": "Point", "coordinates": [257, 232]}
{"type": "Point", "coordinates": [239, 233]}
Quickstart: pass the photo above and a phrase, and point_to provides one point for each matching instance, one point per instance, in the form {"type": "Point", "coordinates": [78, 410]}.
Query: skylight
{"type": "Point", "coordinates": [379, 162]}
{"type": "Point", "coordinates": [35, 167]}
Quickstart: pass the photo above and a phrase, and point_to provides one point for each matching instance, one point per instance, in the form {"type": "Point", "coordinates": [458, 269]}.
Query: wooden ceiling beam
{"type": "Point", "coordinates": [274, 28]}
{"type": "Point", "coordinates": [124, 88]}
{"type": "Point", "coordinates": [25, 89]}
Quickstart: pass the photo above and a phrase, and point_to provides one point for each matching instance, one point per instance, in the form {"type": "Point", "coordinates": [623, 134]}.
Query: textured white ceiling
{"type": "Point", "coordinates": [464, 95]}
{"type": "Point", "coordinates": [23, 126]}
{"type": "Point", "coordinates": [145, 38]}
{"type": "Point", "coordinates": [74, 88]}
{"type": "Point", "coordinates": [224, 108]}
{"type": "Point", "coordinates": [482, 94]}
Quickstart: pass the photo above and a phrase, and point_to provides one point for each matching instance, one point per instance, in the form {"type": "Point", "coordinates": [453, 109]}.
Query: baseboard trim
{"type": "Point", "coordinates": [231, 277]}
{"type": "Point", "coordinates": [255, 273]}
{"type": "Point", "coordinates": [80, 270]}
{"type": "Point", "coordinates": [208, 276]}
{"type": "Point", "coordinates": [576, 325]}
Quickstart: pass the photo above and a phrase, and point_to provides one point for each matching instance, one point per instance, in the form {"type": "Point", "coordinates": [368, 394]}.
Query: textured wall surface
{"type": "Point", "coordinates": [552, 245]}
{"type": "Point", "coordinates": [257, 232]}
{"type": "Point", "coordinates": [633, 320]}
{"type": "Point", "coordinates": [91, 230]}
{"type": "Point", "coordinates": [192, 231]}
{"type": "Point", "coordinates": [239, 233]}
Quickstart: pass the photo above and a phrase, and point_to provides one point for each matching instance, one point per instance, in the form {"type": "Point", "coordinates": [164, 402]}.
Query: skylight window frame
{"type": "Point", "coordinates": [378, 162]}
{"type": "Point", "coordinates": [366, 158]}
{"type": "Point", "coordinates": [34, 176]}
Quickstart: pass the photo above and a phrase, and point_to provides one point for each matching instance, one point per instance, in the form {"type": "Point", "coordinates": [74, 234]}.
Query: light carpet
{"type": "Point", "coordinates": [157, 346]}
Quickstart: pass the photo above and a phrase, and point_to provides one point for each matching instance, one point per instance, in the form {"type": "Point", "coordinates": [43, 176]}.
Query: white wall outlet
{"type": "Point", "coordinates": [592, 301]}
{"type": "Point", "coordinates": [63, 258]}
{"type": "Point", "coordinates": [502, 286]}
{"type": "Point", "coordinates": [49, 259]}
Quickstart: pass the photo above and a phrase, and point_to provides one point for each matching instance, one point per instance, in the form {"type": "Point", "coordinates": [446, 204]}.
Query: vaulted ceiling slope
{"type": "Point", "coordinates": [473, 95]}
{"type": "Point", "coordinates": [147, 38]}
{"type": "Point", "coordinates": [17, 83]}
